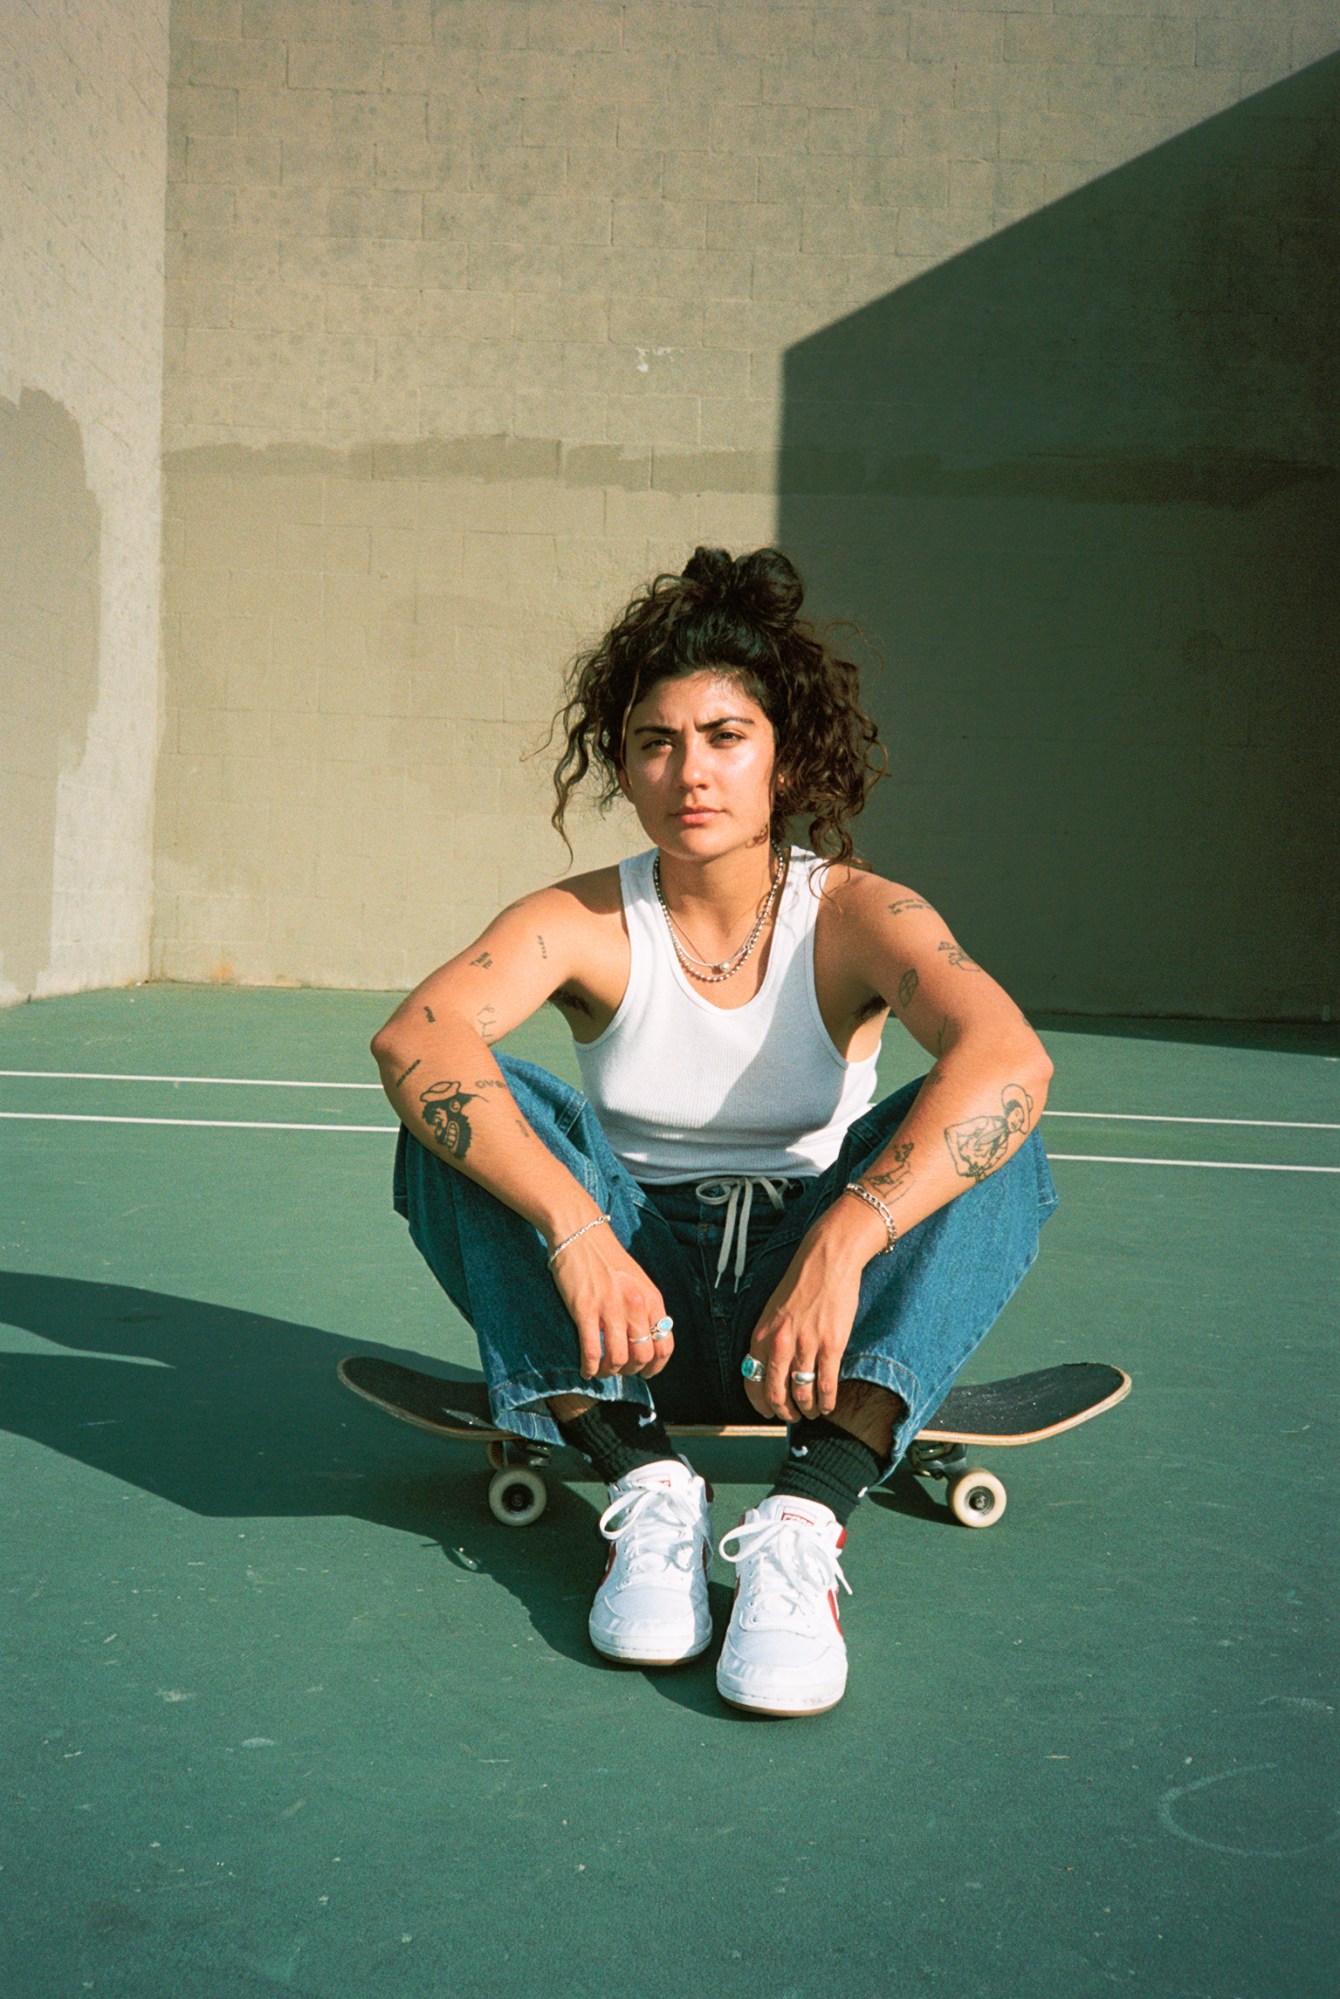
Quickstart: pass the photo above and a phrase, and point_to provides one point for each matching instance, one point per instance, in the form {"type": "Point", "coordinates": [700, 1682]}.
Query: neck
{"type": "Point", "coordinates": [717, 895]}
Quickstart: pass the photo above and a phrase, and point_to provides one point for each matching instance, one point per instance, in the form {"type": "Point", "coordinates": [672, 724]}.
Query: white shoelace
{"type": "Point", "coordinates": [796, 1565]}
{"type": "Point", "coordinates": [660, 1523]}
{"type": "Point", "coordinates": [723, 1190]}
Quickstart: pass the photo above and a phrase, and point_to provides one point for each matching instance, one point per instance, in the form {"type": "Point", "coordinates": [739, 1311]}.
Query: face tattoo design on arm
{"type": "Point", "coordinates": [444, 1114]}
{"type": "Point", "coordinates": [980, 1145]}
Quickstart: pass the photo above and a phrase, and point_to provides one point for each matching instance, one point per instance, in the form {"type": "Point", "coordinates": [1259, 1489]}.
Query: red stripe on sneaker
{"type": "Point", "coordinates": [832, 1605]}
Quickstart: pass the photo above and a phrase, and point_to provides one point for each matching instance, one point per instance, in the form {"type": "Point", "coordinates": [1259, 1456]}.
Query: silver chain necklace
{"type": "Point", "coordinates": [725, 968]}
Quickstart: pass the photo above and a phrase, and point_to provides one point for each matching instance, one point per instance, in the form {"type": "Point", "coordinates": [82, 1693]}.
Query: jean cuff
{"type": "Point", "coordinates": [508, 1399]}
{"type": "Point", "coordinates": [899, 1380]}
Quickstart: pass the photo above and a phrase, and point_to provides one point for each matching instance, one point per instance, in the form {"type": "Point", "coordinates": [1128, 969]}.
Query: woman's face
{"type": "Point", "coordinates": [698, 765]}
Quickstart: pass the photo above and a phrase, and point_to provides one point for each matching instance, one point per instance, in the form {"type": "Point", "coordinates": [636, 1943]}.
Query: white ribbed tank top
{"type": "Point", "coordinates": [682, 1087]}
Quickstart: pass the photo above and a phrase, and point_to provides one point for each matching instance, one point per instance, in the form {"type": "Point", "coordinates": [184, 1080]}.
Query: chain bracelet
{"type": "Point", "coordinates": [575, 1233]}
{"type": "Point", "coordinates": [855, 1187]}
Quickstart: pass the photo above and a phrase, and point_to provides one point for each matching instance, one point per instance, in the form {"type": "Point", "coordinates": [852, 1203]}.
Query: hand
{"type": "Point", "coordinates": [806, 1324]}
{"type": "Point", "coordinates": [614, 1305]}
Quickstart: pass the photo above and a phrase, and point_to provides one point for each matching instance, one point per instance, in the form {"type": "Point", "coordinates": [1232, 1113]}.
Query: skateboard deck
{"type": "Point", "coordinates": [1023, 1409]}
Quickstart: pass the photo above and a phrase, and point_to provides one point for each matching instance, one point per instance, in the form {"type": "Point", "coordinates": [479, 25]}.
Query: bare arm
{"type": "Point", "coordinates": [446, 1087]}
{"type": "Point", "coordinates": [981, 1099]}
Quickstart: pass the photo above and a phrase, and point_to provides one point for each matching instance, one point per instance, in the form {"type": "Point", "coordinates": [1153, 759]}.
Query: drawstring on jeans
{"type": "Point", "coordinates": [723, 1190]}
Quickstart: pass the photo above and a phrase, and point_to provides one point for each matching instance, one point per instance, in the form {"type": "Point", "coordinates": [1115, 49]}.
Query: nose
{"type": "Point", "coordinates": [693, 766]}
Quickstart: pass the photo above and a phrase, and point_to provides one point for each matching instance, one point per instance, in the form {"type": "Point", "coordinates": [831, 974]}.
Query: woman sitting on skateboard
{"type": "Point", "coordinates": [724, 1224]}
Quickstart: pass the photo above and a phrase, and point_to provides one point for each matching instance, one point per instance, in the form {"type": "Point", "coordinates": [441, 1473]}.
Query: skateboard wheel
{"type": "Point", "coordinates": [977, 1499]}
{"type": "Point", "coordinates": [517, 1496]}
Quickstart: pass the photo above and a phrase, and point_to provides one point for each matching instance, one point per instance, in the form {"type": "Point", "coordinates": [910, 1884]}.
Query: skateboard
{"type": "Point", "coordinates": [1021, 1410]}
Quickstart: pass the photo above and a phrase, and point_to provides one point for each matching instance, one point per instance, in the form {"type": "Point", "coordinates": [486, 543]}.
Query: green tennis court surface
{"type": "Point", "coordinates": [286, 1710]}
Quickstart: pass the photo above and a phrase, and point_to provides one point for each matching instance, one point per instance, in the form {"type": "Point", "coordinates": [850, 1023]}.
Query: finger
{"type": "Point", "coordinates": [827, 1366]}
{"type": "Point", "coordinates": [782, 1347]}
{"type": "Point", "coordinates": [664, 1349]}
{"type": "Point", "coordinates": [641, 1353]}
{"type": "Point", "coordinates": [615, 1357]}
{"type": "Point", "coordinates": [804, 1394]}
{"type": "Point", "coordinates": [588, 1343]}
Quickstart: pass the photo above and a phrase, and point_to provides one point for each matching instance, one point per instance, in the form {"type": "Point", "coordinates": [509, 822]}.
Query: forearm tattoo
{"type": "Point", "coordinates": [408, 1073]}
{"type": "Point", "coordinates": [892, 1182]}
{"type": "Point", "coordinates": [444, 1115]}
{"type": "Point", "coordinates": [979, 1145]}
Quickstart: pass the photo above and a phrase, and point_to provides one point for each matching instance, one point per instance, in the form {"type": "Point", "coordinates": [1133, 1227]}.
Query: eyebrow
{"type": "Point", "coordinates": [664, 729]}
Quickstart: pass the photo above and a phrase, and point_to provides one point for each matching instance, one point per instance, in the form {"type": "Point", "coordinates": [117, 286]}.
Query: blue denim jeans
{"type": "Point", "coordinates": [922, 1309]}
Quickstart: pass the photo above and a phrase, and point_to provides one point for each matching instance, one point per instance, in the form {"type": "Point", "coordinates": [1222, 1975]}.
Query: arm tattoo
{"type": "Point", "coordinates": [409, 1072]}
{"type": "Point", "coordinates": [907, 902]}
{"type": "Point", "coordinates": [980, 1144]}
{"type": "Point", "coordinates": [431, 1015]}
{"type": "Point", "coordinates": [907, 988]}
{"type": "Point", "coordinates": [484, 961]}
{"type": "Point", "coordinates": [540, 941]}
{"type": "Point", "coordinates": [484, 1020]}
{"type": "Point", "coordinates": [958, 956]}
{"type": "Point", "coordinates": [489, 1083]}
{"type": "Point", "coordinates": [444, 1114]}
{"type": "Point", "coordinates": [894, 1181]}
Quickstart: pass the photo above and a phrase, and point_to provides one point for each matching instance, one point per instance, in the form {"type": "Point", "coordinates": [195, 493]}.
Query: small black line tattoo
{"type": "Point", "coordinates": [431, 1015]}
{"type": "Point", "coordinates": [483, 960]}
{"type": "Point", "coordinates": [540, 941]}
{"type": "Point", "coordinates": [895, 1180]}
{"type": "Point", "coordinates": [408, 1073]}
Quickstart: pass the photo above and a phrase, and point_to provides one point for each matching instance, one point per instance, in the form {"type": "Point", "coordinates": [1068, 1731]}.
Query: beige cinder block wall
{"type": "Point", "coordinates": [83, 109]}
{"type": "Point", "coordinates": [477, 314]}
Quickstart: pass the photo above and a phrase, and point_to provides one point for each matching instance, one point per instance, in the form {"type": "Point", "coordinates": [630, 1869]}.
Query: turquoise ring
{"type": "Point", "coordinates": [663, 1329]}
{"type": "Point", "coordinates": [751, 1369]}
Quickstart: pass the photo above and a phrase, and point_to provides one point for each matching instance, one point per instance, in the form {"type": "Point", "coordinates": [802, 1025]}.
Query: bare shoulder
{"type": "Point", "coordinates": [858, 897]}
{"type": "Point", "coordinates": [577, 899]}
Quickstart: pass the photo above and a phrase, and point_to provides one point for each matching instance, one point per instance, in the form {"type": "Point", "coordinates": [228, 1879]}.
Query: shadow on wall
{"type": "Point", "coordinates": [1081, 482]}
{"type": "Point", "coordinates": [50, 530]}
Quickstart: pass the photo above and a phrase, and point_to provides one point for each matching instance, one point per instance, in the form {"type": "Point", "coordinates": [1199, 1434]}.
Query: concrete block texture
{"type": "Point", "coordinates": [410, 239]}
{"type": "Point", "coordinates": [83, 148]}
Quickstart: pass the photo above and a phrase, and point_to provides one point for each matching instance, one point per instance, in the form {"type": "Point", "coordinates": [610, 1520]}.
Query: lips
{"type": "Point", "coordinates": [698, 812]}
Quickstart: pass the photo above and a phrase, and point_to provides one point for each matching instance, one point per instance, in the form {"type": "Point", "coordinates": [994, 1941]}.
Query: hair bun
{"type": "Point", "coordinates": [765, 585]}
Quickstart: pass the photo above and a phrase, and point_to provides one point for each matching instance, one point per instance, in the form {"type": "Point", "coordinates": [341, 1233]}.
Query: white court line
{"type": "Point", "coordinates": [275, 1083]}
{"type": "Point", "coordinates": [256, 1124]}
{"type": "Point", "coordinates": [208, 1123]}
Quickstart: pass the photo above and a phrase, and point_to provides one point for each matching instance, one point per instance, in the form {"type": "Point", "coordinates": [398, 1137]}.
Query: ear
{"type": "Point", "coordinates": [622, 777]}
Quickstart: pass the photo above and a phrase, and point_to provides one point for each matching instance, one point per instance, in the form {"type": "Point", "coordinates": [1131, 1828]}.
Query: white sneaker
{"type": "Point", "coordinates": [652, 1609]}
{"type": "Point", "coordinates": [784, 1651]}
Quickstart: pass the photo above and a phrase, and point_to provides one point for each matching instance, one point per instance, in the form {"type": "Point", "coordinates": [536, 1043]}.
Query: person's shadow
{"type": "Point", "coordinates": [233, 1415]}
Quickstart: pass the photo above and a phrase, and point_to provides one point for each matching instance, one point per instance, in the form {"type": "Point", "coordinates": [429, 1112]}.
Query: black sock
{"type": "Point", "coordinates": [617, 1437]}
{"type": "Point", "coordinates": [825, 1462]}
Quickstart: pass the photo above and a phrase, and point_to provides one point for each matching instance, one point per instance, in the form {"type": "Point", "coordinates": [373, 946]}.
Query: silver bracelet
{"type": "Point", "coordinates": [575, 1233]}
{"type": "Point", "coordinates": [855, 1187]}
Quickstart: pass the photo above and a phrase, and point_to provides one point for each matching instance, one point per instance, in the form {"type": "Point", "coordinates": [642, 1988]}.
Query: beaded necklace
{"type": "Point", "coordinates": [717, 972]}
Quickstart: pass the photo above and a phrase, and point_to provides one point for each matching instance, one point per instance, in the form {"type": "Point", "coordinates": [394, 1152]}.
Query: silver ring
{"type": "Point", "coordinates": [662, 1329]}
{"type": "Point", "coordinates": [751, 1369]}
{"type": "Point", "coordinates": [639, 1339]}
{"type": "Point", "coordinates": [804, 1376]}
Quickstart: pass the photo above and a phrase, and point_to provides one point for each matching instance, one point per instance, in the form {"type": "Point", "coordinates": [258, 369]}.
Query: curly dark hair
{"type": "Point", "coordinates": [740, 617]}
